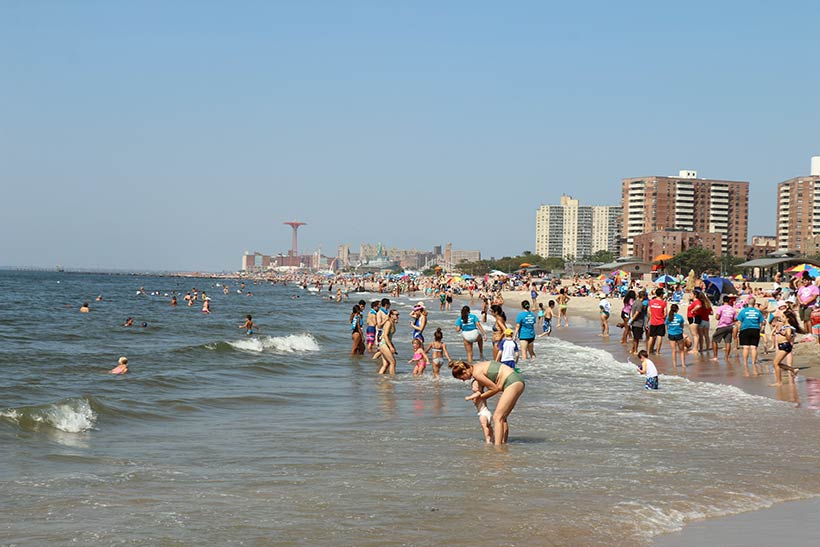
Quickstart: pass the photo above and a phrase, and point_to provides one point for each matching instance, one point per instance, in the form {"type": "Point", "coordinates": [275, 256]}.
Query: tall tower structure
{"type": "Point", "coordinates": [294, 245]}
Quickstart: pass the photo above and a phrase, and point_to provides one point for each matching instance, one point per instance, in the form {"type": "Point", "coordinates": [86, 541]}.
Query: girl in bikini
{"type": "Point", "coordinates": [438, 350]}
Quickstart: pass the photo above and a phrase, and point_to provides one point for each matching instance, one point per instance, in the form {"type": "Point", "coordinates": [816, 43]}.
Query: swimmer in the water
{"type": "Point", "coordinates": [128, 322]}
{"type": "Point", "coordinates": [84, 308]}
{"type": "Point", "coordinates": [248, 325]}
{"type": "Point", "coordinates": [122, 366]}
{"type": "Point", "coordinates": [174, 300]}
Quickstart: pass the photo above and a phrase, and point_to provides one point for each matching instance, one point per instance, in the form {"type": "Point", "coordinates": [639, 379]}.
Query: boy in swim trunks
{"type": "Point", "coordinates": [648, 368]}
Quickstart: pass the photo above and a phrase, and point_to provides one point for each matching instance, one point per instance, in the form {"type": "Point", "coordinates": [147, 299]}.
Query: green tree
{"type": "Point", "coordinates": [601, 256]}
{"type": "Point", "coordinates": [694, 258]}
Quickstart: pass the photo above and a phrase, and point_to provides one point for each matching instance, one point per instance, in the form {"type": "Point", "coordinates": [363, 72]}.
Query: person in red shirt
{"type": "Point", "coordinates": [657, 317]}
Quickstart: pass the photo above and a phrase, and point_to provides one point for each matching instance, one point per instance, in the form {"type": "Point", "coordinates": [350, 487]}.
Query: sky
{"type": "Point", "coordinates": [177, 135]}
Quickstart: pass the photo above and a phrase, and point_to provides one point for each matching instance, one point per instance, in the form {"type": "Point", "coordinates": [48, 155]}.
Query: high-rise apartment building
{"type": "Point", "coordinates": [798, 210]}
{"type": "Point", "coordinates": [570, 230]}
{"type": "Point", "coordinates": [686, 203]}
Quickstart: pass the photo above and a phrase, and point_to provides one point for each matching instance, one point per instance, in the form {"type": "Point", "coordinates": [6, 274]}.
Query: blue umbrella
{"type": "Point", "coordinates": [666, 279]}
{"type": "Point", "coordinates": [466, 276]}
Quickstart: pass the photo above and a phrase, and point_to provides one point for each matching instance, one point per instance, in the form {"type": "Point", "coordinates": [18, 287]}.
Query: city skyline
{"type": "Point", "coordinates": [175, 136]}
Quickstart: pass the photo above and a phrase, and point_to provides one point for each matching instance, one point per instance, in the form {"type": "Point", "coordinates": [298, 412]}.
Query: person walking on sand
{"type": "Point", "coordinates": [675, 324]}
{"type": "Point", "coordinates": [785, 328]}
{"type": "Point", "coordinates": [657, 321]}
{"type": "Point", "coordinates": [471, 331]}
{"type": "Point", "coordinates": [750, 322]}
{"type": "Point", "coordinates": [563, 301]}
{"type": "Point", "coordinates": [496, 378]}
{"type": "Point", "coordinates": [626, 313]}
{"type": "Point", "coordinates": [725, 315]}
{"type": "Point", "coordinates": [636, 321]}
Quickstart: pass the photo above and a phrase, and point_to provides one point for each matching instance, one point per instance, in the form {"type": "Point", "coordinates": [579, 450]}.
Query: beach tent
{"type": "Point", "coordinates": [668, 279]}
{"type": "Point", "coordinates": [717, 286]}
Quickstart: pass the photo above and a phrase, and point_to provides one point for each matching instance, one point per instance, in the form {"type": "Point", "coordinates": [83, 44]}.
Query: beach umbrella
{"type": "Point", "coordinates": [620, 273]}
{"type": "Point", "coordinates": [663, 257]}
{"type": "Point", "coordinates": [525, 265]}
{"type": "Point", "coordinates": [467, 276]}
{"type": "Point", "coordinates": [601, 277]}
{"type": "Point", "coordinates": [800, 268]}
{"type": "Point", "coordinates": [739, 277]}
{"type": "Point", "coordinates": [668, 279]}
{"type": "Point", "coordinates": [457, 278]}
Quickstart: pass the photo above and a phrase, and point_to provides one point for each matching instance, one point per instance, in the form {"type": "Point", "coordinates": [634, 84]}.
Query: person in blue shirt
{"type": "Point", "coordinates": [675, 323]}
{"type": "Point", "coordinates": [471, 330]}
{"type": "Point", "coordinates": [751, 322]}
{"type": "Point", "coordinates": [525, 330]}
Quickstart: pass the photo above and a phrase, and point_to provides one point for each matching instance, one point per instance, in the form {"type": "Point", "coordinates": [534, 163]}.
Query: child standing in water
{"type": "Point", "coordinates": [485, 417]}
{"type": "Point", "coordinates": [248, 325]}
{"type": "Point", "coordinates": [438, 350]}
{"type": "Point", "coordinates": [648, 368]}
{"type": "Point", "coordinates": [419, 358]}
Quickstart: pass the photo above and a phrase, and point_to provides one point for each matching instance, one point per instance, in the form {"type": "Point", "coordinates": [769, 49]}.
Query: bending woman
{"type": "Point", "coordinates": [471, 330]}
{"type": "Point", "coordinates": [496, 378]}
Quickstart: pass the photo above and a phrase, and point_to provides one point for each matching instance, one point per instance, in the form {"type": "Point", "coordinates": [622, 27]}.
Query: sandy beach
{"type": "Point", "coordinates": [787, 524]}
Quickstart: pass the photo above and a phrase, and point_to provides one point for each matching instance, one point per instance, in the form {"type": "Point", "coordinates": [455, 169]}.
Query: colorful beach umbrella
{"type": "Point", "coordinates": [813, 270]}
{"type": "Point", "coordinates": [620, 273]}
{"type": "Point", "coordinates": [668, 279]}
{"type": "Point", "coordinates": [525, 265]}
{"type": "Point", "coordinates": [663, 257]}
{"type": "Point", "coordinates": [601, 277]}
{"type": "Point", "coordinates": [739, 277]}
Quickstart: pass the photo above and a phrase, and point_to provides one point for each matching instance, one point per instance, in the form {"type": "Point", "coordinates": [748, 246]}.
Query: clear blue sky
{"type": "Point", "coordinates": [176, 135]}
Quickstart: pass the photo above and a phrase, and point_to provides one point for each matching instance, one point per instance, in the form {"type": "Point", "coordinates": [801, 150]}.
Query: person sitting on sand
{"type": "Point", "coordinates": [121, 368]}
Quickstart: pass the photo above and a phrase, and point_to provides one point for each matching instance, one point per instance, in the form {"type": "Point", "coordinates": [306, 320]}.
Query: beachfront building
{"type": "Point", "coordinates": [255, 262]}
{"type": "Point", "coordinates": [686, 203]}
{"type": "Point", "coordinates": [798, 210]}
{"type": "Point", "coordinates": [671, 242]}
{"type": "Point", "coordinates": [761, 247]}
{"type": "Point", "coordinates": [574, 231]}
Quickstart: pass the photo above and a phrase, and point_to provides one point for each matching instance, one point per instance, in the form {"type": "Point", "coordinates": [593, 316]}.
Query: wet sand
{"type": "Point", "coordinates": [787, 524]}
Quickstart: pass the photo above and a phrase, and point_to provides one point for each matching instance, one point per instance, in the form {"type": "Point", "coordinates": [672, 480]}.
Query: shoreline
{"type": "Point", "coordinates": [766, 526]}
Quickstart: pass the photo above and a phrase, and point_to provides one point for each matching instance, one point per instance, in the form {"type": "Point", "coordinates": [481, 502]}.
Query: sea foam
{"type": "Point", "coordinates": [294, 343]}
{"type": "Point", "coordinates": [70, 415]}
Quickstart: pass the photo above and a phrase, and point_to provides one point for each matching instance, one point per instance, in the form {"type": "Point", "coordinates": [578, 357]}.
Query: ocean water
{"type": "Point", "coordinates": [216, 438]}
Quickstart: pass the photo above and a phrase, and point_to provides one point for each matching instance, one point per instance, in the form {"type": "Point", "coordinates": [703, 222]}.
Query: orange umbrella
{"type": "Point", "coordinates": [663, 257]}
{"type": "Point", "coordinates": [525, 265]}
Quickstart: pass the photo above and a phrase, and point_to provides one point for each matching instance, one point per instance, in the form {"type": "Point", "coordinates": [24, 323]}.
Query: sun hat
{"type": "Point", "coordinates": [782, 304]}
{"type": "Point", "coordinates": [508, 332]}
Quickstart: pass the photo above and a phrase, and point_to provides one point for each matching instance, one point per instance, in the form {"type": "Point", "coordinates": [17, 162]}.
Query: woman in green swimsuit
{"type": "Point", "coordinates": [496, 378]}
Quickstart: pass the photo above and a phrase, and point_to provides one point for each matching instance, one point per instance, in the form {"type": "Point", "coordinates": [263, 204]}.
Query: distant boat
{"type": "Point", "coordinates": [60, 268]}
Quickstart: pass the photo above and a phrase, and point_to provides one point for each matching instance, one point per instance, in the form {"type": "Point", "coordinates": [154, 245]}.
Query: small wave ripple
{"type": "Point", "coordinates": [294, 343]}
{"type": "Point", "coordinates": [73, 415]}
